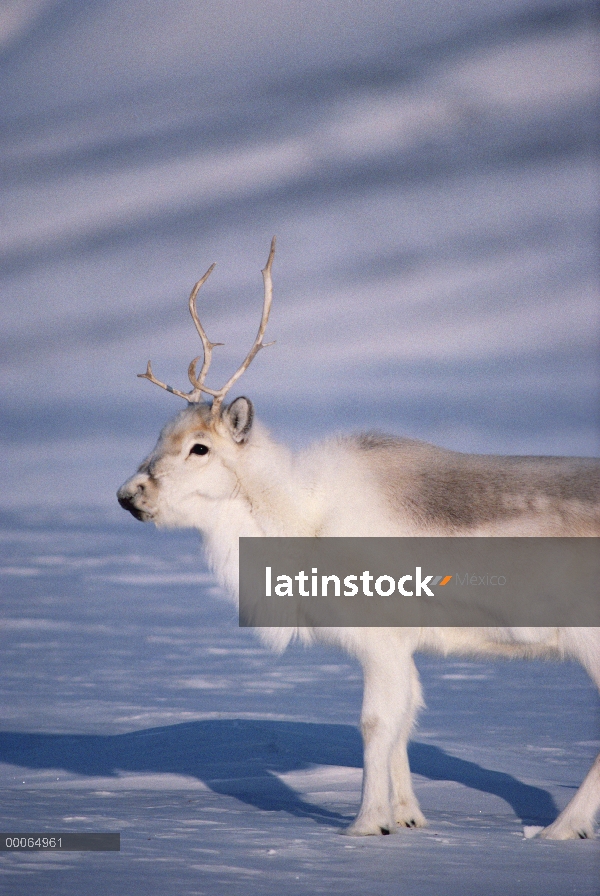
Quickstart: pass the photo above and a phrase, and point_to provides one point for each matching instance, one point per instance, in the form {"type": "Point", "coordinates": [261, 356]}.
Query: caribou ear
{"type": "Point", "coordinates": [238, 417]}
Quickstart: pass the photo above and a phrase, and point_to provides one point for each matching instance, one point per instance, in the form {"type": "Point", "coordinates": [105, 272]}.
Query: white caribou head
{"type": "Point", "coordinates": [196, 457]}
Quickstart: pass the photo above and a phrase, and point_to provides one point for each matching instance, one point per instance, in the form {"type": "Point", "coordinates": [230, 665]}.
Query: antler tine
{"type": "Point", "coordinates": [197, 381]}
{"type": "Point", "coordinates": [150, 376]}
{"type": "Point", "coordinates": [258, 343]}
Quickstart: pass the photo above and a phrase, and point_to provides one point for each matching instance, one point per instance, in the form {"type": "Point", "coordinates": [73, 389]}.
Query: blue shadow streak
{"type": "Point", "coordinates": [242, 758]}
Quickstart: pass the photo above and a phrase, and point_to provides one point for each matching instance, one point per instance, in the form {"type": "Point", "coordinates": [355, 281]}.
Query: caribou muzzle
{"type": "Point", "coordinates": [131, 497]}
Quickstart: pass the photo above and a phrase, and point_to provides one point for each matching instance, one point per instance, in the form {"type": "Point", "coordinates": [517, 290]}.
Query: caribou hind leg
{"type": "Point", "coordinates": [577, 820]}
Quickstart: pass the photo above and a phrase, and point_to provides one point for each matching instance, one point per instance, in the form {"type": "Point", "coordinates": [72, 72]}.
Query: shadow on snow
{"type": "Point", "coordinates": [243, 758]}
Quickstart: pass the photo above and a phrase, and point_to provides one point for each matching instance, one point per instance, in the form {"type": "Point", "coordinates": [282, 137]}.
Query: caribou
{"type": "Point", "coordinates": [215, 468]}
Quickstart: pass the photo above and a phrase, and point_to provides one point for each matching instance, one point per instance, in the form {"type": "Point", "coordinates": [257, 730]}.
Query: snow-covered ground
{"type": "Point", "coordinates": [132, 702]}
{"type": "Point", "coordinates": [430, 171]}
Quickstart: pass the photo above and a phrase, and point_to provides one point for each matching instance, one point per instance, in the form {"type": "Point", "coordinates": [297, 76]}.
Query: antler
{"type": "Point", "coordinates": [197, 380]}
{"type": "Point", "coordinates": [258, 343]}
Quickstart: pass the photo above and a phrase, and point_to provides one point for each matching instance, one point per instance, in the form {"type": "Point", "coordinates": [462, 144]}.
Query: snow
{"type": "Point", "coordinates": [132, 702]}
{"type": "Point", "coordinates": [429, 170]}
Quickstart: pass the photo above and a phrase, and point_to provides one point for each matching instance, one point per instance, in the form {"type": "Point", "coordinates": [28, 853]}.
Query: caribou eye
{"type": "Point", "coordinates": [199, 449]}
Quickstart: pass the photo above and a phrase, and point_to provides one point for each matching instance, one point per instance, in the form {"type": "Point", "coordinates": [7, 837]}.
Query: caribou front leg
{"type": "Point", "coordinates": [405, 805]}
{"type": "Point", "coordinates": [389, 706]}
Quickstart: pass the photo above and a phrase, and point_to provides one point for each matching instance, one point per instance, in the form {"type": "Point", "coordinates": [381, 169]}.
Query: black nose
{"type": "Point", "coordinates": [126, 502]}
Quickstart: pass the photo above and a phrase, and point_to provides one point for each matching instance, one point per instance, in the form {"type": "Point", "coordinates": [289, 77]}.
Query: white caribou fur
{"type": "Point", "coordinates": [248, 485]}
